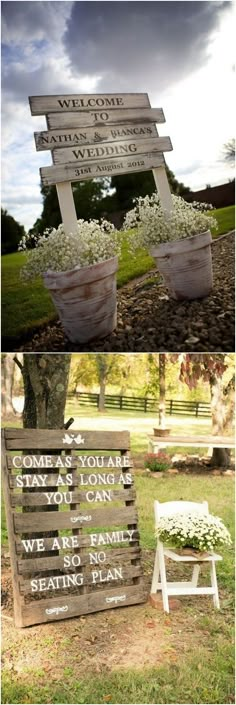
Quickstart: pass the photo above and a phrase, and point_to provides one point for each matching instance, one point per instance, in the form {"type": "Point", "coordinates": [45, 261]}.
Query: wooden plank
{"type": "Point", "coordinates": [90, 170]}
{"type": "Point", "coordinates": [18, 602]}
{"type": "Point", "coordinates": [53, 139]}
{"type": "Point", "coordinates": [204, 441]}
{"type": "Point", "coordinates": [23, 438]}
{"type": "Point", "coordinates": [43, 104]}
{"type": "Point", "coordinates": [93, 541]}
{"type": "Point", "coordinates": [49, 521]}
{"type": "Point", "coordinates": [64, 464]}
{"type": "Point", "coordinates": [58, 497]}
{"type": "Point", "coordinates": [110, 117]}
{"type": "Point", "coordinates": [43, 462]}
{"type": "Point", "coordinates": [57, 563]}
{"type": "Point", "coordinates": [49, 610]}
{"type": "Point", "coordinates": [80, 479]}
{"type": "Point", "coordinates": [110, 150]}
{"type": "Point", "coordinates": [65, 580]}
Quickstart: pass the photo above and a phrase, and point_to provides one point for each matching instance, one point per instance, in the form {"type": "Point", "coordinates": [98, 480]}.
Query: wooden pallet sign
{"type": "Point", "coordinates": [99, 126]}
{"type": "Point", "coordinates": [72, 523]}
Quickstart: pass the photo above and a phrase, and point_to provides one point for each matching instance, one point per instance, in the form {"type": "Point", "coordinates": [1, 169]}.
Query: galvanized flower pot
{"type": "Point", "coordinates": [186, 266]}
{"type": "Point", "coordinates": [85, 300]}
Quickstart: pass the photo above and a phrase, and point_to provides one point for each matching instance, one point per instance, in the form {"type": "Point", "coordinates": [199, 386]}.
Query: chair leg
{"type": "Point", "coordinates": [156, 571]}
{"type": "Point", "coordinates": [195, 575]}
{"type": "Point", "coordinates": [163, 582]}
{"type": "Point", "coordinates": [214, 585]}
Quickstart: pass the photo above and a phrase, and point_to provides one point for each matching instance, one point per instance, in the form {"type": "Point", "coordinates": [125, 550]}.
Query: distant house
{"type": "Point", "coordinates": [219, 196]}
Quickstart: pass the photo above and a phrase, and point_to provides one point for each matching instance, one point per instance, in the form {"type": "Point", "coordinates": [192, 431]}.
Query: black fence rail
{"type": "Point", "coordinates": [174, 407]}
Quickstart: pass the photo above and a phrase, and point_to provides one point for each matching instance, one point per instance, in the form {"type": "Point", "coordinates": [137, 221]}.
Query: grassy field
{"type": "Point", "coordinates": [184, 657]}
{"type": "Point", "coordinates": [26, 306]}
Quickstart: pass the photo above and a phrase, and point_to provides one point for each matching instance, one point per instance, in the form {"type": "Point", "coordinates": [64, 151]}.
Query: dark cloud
{"type": "Point", "coordinates": [140, 45]}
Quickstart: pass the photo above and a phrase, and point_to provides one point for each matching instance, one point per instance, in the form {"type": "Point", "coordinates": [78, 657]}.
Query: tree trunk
{"type": "Point", "coordinates": [162, 390]}
{"type": "Point", "coordinates": [222, 409]}
{"type": "Point", "coordinates": [101, 402]}
{"type": "Point", "coordinates": [45, 386]}
{"type": "Point", "coordinates": [7, 384]}
{"type": "Point", "coordinates": [45, 379]}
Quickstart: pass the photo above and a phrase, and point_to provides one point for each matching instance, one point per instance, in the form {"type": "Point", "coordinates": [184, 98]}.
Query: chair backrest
{"type": "Point", "coordinates": [162, 509]}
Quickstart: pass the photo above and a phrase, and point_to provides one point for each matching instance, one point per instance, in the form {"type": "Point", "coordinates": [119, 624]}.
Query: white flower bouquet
{"type": "Point", "coordinates": [202, 532]}
{"type": "Point", "coordinates": [154, 225]}
{"type": "Point", "coordinates": [57, 251]}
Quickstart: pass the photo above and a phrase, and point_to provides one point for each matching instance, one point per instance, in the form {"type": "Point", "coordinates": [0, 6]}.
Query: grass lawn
{"type": "Point", "coordinates": [135, 654]}
{"type": "Point", "coordinates": [27, 306]}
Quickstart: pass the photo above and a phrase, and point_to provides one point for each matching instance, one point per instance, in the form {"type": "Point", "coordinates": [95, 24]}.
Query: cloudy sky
{"type": "Point", "coordinates": [180, 53]}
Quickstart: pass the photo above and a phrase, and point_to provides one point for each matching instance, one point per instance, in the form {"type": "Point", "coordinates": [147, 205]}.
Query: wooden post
{"type": "Point", "coordinates": [67, 206]}
{"type": "Point", "coordinates": [163, 188]}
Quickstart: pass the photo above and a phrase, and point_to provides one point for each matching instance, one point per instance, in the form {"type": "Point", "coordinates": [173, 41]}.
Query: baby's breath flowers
{"type": "Point", "coordinates": [203, 532]}
{"type": "Point", "coordinates": [154, 225]}
{"type": "Point", "coordinates": [59, 252]}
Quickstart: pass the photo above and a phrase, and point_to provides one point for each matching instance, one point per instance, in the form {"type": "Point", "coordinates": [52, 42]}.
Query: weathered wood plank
{"type": "Point", "coordinates": [59, 462]}
{"type": "Point", "coordinates": [57, 497]}
{"type": "Point", "coordinates": [43, 104]}
{"type": "Point", "coordinates": [110, 117]}
{"type": "Point", "coordinates": [70, 172]}
{"type": "Point", "coordinates": [93, 541]}
{"type": "Point", "coordinates": [96, 152]}
{"type": "Point", "coordinates": [204, 441]}
{"type": "Point", "coordinates": [66, 579]}
{"type": "Point", "coordinates": [48, 521]}
{"type": "Point", "coordinates": [49, 610]}
{"type": "Point", "coordinates": [23, 439]}
{"type": "Point", "coordinates": [18, 602]}
{"type": "Point", "coordinates": [113, 555]}
{"type": "Point", "coordinates": [109, 478]}
{"type": "Point", "coordinates": [53, 139]}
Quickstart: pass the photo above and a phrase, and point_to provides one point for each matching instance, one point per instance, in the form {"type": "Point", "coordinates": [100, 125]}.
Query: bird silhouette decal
{"type": "Point", "coordinates": [69, 439]}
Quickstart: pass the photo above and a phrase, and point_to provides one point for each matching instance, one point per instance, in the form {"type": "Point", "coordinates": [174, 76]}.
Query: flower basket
{"type": "Point", "coordinates": [161, 431]}
{"type": "Point", "coordinates": [85, 299]}
{"type": "Point", "coordinates": [179, 240]}
{"type": "Point", "coordinates": [193, 532]}
{"type": "Point", "coordinates": [186, 266]}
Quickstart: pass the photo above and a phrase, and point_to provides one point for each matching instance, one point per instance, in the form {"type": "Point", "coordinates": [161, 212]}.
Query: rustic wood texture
{"type": "Point", "coordinates": [201, 441]}
{"type": "Point", "coordinates": [43, 104]}
{"type": "Point", "coordinates": [70, 172]}
{"type": "Point", "coordinates": [99, 558]}
{"type": "Point", "coordinates": [130, 573]}
{"type": "Point", "coordinates": [18, 602]}
{"type": "Point", "coordinates": [83, 540]}
{"type": "Point", "coordinates": [39, 498]}
{"type": "Point", "coordinates": [49, 480]}
{"type": "Point", "coordinates": [35, 612]}
{"type": "Point", "coordinates": [53, 139]}
{"type": "Point", "coordinates": [112, 117]}
{"type": "Point", "coordinates": [46, 564]}
{"type": "Point", "coordinates": [48, 521]}
{"type": "Point", "coordinates": [23, 439]}
{"type": "Point", "coordinates": [110, 150]}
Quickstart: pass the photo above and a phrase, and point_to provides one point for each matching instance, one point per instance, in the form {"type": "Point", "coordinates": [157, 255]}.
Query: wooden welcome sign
{"type": "Point", "coordinates": [98, 135]}
{"type": "Point", "coordinates": [72, 523]}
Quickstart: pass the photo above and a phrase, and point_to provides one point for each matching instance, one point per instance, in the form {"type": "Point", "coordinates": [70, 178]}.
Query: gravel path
{"type": "Point", "coordinates": [149, 321]}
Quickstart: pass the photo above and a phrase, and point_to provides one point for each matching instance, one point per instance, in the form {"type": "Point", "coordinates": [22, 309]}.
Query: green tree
{"type": "Point", "coordinates": [229, 152]}
{"type": "Point", "coordinates": [129, 186]}
{"type": "Point", "coordinates": [12, 232]}
{"type": "Point", "coordinates": [88, 199]}
{"type": "Point", "coordinates": [195, 367]}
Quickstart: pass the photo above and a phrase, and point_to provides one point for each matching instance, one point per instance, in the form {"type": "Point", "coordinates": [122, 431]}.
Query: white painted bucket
{"type": "Point", "coordinates": [85, 300]}
{"type": "Point", "coordinates": [186, 266]}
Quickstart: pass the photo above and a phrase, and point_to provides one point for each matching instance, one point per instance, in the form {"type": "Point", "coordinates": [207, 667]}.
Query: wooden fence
{"type": "Point", "coordinates": [174, 407]}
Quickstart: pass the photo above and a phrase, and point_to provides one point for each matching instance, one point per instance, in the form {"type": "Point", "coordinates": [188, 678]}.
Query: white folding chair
{"type": "Point", "coordinates": [159, 580]}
